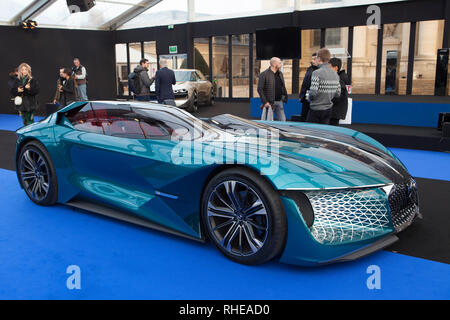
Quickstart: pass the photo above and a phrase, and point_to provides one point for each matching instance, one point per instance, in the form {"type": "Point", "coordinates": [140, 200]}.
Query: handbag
{"type": "Point", "coordinates": [18, 100]}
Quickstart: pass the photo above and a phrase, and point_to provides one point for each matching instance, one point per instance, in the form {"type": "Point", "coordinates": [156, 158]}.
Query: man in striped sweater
{"type": "Point", "coordinates": [325, 86]}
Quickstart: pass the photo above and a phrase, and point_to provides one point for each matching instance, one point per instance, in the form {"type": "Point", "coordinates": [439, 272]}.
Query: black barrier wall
{"type": "Point", "coordinates": [45, 50]}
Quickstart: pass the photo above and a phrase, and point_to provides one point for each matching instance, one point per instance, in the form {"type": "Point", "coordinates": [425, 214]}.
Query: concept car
{"type": "Point", "coordinates": [191, 90]}
{"type": "Point", "coordinates": [302, 193]}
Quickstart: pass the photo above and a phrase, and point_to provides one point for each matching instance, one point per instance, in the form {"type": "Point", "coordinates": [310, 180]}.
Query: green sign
{"type": "Point", "coordinates": [173, 49]}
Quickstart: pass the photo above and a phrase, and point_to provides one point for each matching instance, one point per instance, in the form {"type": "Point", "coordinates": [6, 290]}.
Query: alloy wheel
{"type": "Point", "coordinates": [238, 218]}
{"type": "Point", "coordinates": [34, 174]}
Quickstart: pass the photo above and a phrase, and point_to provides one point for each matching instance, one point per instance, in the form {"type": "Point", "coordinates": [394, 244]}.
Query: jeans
{"type": "Point", "coordinates": [143, 98]}
{"type": "Point", "coordinates": [82, 92]}
{"type": "Point", "coordinates": [278, 110]}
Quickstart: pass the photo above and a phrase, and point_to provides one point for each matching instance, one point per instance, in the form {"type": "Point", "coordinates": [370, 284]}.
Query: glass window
{"type": "Point", "coordinates": [336, 39]}
{"type": "Point", "coordinates": [151, 56]}
{"type": "Point", "coordinates": [58, 14]}
{"type": "Point", "coordinates": [429, 35]}
{"type": "Point", "coordinates": [118, 120]}
{"type": "Point", "coordinates": [241, 66]}
{"type": "Point", "coordinates": [182, 75]}
{"type": "Point", "coordinates": [9, 9]}
{"type": "Point", "coordinates": [394, 69]}
{"type": "Point", "coordinates": [220, 65]}
{"type": "Point", "coordinates": [310, 45]}
{"type": "Point", "coordinates": [122, 69]}
{"type": "Point", "coordinates": [201, 55]}
{"type": "Point", "coordinates": [164, 13]}
{"type": "Point", "coordinates": [135, 55]}
{"type": "Point", "coordinates": [213, 10]}
{"type": "Point", "coordinates": [364, 59]}
{"type": "Point", "coordinates": [175, 61]}
{"type": "Point", "coordinates": [84, 119]}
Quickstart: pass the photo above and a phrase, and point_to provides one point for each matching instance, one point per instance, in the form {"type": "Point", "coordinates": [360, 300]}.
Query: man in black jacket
{"type": "Point", "coordinates": [340, 105]}
{"type": "Point", "coordinates": [145, 82]}
{"type": "Point", "coordinates": [306, 85]}
{"type": "Point", "coordinates": [272, 90]}
{"type": "Point", "coordinates": [165, 79]}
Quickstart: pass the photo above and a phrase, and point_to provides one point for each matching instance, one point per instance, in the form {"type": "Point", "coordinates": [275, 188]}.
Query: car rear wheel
{"type": "Point", "coordinates": [36, 174]}
{"type": "Point", "coordinates": [193, 107]}
{"type": "Point", "coordinates": [244, 217]}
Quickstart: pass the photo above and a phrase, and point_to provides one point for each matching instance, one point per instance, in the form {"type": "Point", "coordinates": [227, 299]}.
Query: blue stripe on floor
{"type": "Point", "coordinates": [425, 164]}
{"type": "Point", "coordinates": [121, 261]}
{"type": "Point", "coordinates": [12, 122]}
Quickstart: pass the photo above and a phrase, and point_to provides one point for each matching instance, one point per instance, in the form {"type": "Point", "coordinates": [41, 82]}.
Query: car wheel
{"type": "Point", "coordinates": [37, 175]}
{"type": "Point", "coordinates": [244, 217]}
{"type": "Point", "coordinates": [193, 107]}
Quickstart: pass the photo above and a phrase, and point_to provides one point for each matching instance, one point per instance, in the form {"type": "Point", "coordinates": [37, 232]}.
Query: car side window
{"type": "Point", "coordinates": [193, 76]}
{"type": "Point", "coordinates": [84, 119]}
{"type": "Point", "coordinates": [118, 120]}
{"type": "Point", "coordinates": [200, 75]}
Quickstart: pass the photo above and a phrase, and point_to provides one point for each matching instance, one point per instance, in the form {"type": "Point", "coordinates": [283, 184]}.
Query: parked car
{"type": "Point", "coordinates": [192, 89]}
{"type": "Point", "coordinates": [336, 194]}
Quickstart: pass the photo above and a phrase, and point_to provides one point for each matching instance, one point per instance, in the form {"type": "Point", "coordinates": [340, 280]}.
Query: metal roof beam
{"type": "Point", "coordinates": [31, 11]}
{"type": "Point", "coordinates": [130, 14]}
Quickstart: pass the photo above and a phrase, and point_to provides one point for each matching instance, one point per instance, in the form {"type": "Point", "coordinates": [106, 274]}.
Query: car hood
{"type": "Point", "coordinates": [315, 157]}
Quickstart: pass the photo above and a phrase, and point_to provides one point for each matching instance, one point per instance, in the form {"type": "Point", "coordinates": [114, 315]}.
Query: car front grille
{"type": "Point", "coordinates": [404, 204]}
{"type": "Point", "coordinates": [342, 216]}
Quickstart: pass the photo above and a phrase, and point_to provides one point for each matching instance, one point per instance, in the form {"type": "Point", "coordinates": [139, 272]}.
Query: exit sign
{"type": "Point", "coordinates": [173, 49]}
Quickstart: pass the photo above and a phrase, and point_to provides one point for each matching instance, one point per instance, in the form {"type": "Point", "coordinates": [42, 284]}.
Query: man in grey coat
{"type": "Point", "coordinates": [145, 81]}
{"type": "Point", "coordinates": [325, 86]}
{"type": "Point", "coordinates": [272, 91]}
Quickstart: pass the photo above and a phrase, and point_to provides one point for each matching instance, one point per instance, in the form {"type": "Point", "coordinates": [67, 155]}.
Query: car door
{"type": "Point", "coordinates": [124, 161]}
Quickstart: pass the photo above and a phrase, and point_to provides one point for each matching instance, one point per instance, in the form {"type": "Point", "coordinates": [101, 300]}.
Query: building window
{"type": "Point", "coordinates": [364, 59]}
{"type": "Point", "coordinates": [150, 55]}
{"type": "Point", "coordinates": [220, 66]}
{"type": "Point", "coordinates": [394, 67]}
{"type": "Point", "coordinates": [240, 58]}
{"type": "Point", "coordinates": [201, 56]}
{"type": "Point", "coordinates": [121, 69]}
{"type": "Point", "coordinates": [429, 36]}
{"type": "Point", "coordinates": [336, 40]}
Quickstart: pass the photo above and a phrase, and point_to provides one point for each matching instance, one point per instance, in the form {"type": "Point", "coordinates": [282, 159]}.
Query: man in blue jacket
{"type": "Point", "coordinates": [165, 79]}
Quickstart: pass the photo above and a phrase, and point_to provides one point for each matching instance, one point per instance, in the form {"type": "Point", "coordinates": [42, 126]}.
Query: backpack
{"type": "Point", "coordinates": [134, 82]}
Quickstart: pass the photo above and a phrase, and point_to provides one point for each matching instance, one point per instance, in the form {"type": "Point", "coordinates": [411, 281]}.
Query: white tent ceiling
{"type": "Point", "coordinates": [128, 14]}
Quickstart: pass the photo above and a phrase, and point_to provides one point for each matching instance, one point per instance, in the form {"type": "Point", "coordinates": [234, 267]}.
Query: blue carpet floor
{"type": "Point", "coordinates": [121, 261]}
{"type": "Point", "coordinates": [425, 164]}
{"type": "Point", "coordinates": [12, 122]}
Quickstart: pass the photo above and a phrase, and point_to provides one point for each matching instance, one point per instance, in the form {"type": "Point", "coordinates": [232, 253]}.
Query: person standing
{"type": "Point", "coordinates": [57, 99]}
{"type": "Point", "coordinates": [340, 105]}
{"type": "Point", "coordinates": [165, 79]}
{"type": "Point", "coordinates": [80, 74]}
{"type": "Point", "coordinates": [272, 91]}
{"type": "Point", "coordinates": [145, 82]}
{"type": "Point", "coordinates": [25, 90]}
{"type": "Point", "coordinates": [325, 86]}
{"type": "Point", "coordinates": [306, 85]}
{"type": "Point", "coordinates": [68, 88]}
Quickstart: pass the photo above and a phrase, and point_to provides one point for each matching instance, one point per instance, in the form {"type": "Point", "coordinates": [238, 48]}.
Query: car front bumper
{"type": "Point", "coordinates": [347, 224]}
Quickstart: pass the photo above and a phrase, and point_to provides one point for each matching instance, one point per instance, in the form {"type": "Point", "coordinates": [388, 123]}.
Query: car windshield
{"type": "Point", "coordinates": [182, 76]}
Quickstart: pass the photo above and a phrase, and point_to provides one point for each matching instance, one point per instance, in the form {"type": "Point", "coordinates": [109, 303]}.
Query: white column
{"type": "Point", "coordinates": [297, 5]}
{"type": "Point", "coordinates": [191, 10]}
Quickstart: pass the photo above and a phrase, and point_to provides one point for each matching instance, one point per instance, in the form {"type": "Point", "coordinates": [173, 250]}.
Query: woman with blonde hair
{"type": "Point", "coordinates": [25, 90]}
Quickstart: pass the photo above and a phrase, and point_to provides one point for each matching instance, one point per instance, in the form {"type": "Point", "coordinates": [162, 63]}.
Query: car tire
{"type": "Point", "coordinates": [243, 216]}
{"type": "Point", "coordinates": [36, 174]}
{"type": "Point", "coordinates": [193, 106]}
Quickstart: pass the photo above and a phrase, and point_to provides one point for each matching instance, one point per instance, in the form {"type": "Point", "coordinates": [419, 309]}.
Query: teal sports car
{"type": "Point", "coordinates": [302, 193]}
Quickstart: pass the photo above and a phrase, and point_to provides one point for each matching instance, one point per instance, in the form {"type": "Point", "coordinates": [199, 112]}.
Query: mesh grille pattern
{"type": "Point", "coordinates": [349, 215]}
{"type": "Point", "coordinates": [403, 202]}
